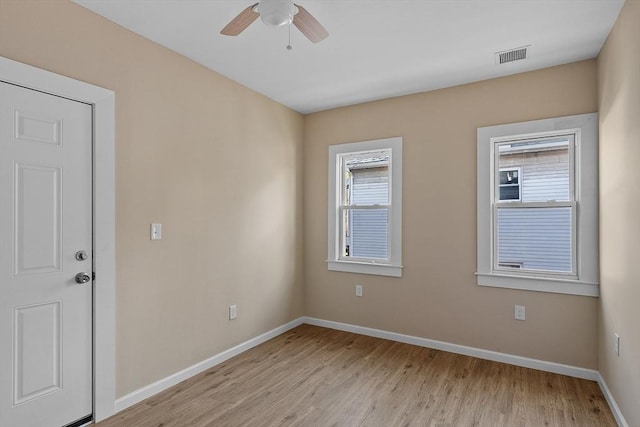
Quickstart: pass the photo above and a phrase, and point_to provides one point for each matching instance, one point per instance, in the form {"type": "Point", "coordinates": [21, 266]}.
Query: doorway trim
{"type": "Point", "coordinates": [104, 286]}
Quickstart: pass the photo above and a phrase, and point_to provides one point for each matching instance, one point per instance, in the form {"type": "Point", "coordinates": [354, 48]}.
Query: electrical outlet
{"type": "Point", "coordinates": [519, 313]}
{"type": "Point", "coordinates": [616, 344]}
{"type": "Point", "coordinates": [358, 290]}
{"type": "Point", "coordinates": [233, 312]}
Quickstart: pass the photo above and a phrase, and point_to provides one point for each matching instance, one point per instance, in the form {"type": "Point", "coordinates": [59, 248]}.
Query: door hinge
{"type": "Point", "coordinates": [93, 275]}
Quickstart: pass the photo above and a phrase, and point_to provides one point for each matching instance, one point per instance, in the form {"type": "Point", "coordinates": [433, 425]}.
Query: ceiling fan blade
{"type": "Point", "coordinates": [309, 26]}
{"type": "Point", "coordinates": [240, 22]}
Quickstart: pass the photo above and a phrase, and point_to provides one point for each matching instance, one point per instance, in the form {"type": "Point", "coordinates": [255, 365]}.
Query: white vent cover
{"type": "Point", "coordinates": [516, 54]}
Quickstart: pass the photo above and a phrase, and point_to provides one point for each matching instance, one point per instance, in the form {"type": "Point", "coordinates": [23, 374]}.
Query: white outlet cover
{"type": "Point", "coordinates": [358, 290]}
{"type": "Point", "coordinates": [233, 312]}
{"type": "Point", "coordinates": [519, 312]}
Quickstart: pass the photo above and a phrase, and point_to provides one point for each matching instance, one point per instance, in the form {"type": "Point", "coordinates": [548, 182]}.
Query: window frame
{"type": "Point", "coordinates": [392, 266]}
{"type": "Point", "coordinates": [583, 184]}
{"type": "Point", "coordinates": [344, 207]}
{"type": "Point", "coordinates": [573, 135]}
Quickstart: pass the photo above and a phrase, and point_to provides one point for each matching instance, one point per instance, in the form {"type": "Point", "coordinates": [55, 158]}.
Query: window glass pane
{"type": "Point", "coordinates": [544, 169]}
{"type": "Point", "coordinates": [509, 192]}
{"type": "Point", "coordinates": [366, 233]}
{"type": "Point", "coordinates": [509, 177]}
{"type": "Point", "coordinates": [535, 238]}
{"type": "Point", "coordinates": [366, 179]}
{"type": "Point", "coordinates": [509, 183]}
{"type": "Point", "coordinates": [370, 186]}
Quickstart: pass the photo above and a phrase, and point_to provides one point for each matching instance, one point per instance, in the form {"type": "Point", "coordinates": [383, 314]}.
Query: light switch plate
{"type": "Point", "coordinates": [156, 231]}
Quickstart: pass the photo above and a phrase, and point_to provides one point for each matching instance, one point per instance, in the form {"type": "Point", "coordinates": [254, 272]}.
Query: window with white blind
{"type": "Point", "coordinates": [365, 207]}
{"type": "Point", "coordinates": [366, 215]}
{"type": "Point", "coordinates": [537, 205]}
{"type": "Point", "coordinates": [534, 225]}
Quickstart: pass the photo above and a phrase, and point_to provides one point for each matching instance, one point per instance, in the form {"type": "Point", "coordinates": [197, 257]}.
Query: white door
{"type": "Point", "coordinates": [45, 220]}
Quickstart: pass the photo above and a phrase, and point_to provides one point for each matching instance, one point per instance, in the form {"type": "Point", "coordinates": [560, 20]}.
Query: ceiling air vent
{"type": "Point", "coordinates": [511, 55]}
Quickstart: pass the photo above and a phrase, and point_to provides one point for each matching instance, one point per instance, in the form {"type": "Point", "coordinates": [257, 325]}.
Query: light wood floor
{"type": "Point", "coordinates": [313, 376]}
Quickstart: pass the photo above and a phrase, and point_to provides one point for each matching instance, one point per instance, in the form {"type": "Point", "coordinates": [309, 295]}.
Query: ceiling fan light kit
{"type": "Point", "coordinates": [276, 13]}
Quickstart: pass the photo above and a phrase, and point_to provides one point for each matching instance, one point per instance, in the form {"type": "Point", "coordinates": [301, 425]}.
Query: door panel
{"type": "Point", "coordinates": [37, 128]}
{"type": "Point", "coordinates": [37, 351]}
{"type": "Point", "coordinates": [38, 219]}
{"type": "Point", "coordinates": [45, 218]}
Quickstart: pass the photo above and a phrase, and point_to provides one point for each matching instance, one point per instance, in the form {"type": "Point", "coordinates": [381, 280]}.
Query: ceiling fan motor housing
{"type": "Point", "coordinates": [276, 13]}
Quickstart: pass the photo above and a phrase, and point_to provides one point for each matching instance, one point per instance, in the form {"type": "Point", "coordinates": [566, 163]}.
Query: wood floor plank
{"type": "Point", "coordinates": [312, 376]}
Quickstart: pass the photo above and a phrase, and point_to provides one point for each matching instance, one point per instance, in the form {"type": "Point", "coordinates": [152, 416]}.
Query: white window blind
{"type": "Point", "coordinates": [535, 239]}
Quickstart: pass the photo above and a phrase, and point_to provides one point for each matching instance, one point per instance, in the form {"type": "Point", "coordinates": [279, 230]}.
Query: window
{"type": "Point", "coordinates": [535, 228]}
{"type": "Point", "coordinates": [537, 205]}
{"type": "Point", "coordinates": [365, 207]}
{"type": "Point", "coordinates": [509, 184]}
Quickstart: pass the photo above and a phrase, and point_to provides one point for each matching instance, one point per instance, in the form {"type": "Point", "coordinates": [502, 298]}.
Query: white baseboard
{"type": "Point", "coordinates": [556, 368]}
{"type": "Point", "coordinates": [615, 409]}
{"type": "Point", "coordinates": [163, 384]}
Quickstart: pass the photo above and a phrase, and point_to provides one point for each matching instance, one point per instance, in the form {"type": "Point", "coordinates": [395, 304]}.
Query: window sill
{"type": "Point", "coordinates": [539, 284]}
{"type": "Point", "coordinates": [365, 268]}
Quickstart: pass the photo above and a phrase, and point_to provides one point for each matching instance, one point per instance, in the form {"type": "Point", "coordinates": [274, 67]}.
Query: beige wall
{"type": "Point", "coordinates": [437, 296]}
{"type": "Point", "coordinates": [217, 164]}
{"type": "Point", "coordinates": [619, 90]}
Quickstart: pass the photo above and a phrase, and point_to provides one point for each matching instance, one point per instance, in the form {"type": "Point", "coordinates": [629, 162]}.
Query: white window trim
{"type": "Point", "coordinates": [393, 266]}
{"type": "Point", "coordinates": [585, 282]}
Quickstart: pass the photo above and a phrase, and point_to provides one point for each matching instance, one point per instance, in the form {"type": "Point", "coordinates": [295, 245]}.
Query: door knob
{"type": "Point", "coordinates": [82, 278]}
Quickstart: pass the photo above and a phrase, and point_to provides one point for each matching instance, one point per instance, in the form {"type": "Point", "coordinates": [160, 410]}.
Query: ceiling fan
{"type": "Point", "coordinates": [276, 13]}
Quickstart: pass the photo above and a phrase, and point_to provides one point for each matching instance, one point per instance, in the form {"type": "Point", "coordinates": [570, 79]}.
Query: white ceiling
{"type": "Point", "coordinates": [376, 48]}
